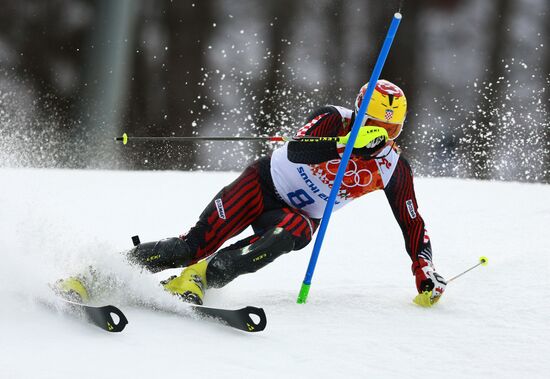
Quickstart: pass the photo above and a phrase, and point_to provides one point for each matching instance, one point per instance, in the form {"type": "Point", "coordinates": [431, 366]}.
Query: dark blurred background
{"type": "Point", "coordinates": [76, 73]}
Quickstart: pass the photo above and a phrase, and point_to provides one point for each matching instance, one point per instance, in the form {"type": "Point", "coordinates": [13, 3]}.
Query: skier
{"type": "Point", "coordinates": [283, 196]}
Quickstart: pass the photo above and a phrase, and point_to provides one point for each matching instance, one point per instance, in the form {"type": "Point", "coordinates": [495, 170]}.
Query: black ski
{"type": "Point", "coordinates": [99, 316]}
{"type": "Point", "coordinates": [237, 318]}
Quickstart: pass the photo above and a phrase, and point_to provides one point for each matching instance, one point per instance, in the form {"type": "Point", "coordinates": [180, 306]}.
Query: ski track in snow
{"type": "Point", "coordinates": [359, 321]}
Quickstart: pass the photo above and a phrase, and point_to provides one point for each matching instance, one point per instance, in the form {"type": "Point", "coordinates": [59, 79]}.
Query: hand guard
{"type": "Point", "coordinates": [429, 283]}
{"type": "Point", "coordinates": [368, 136]}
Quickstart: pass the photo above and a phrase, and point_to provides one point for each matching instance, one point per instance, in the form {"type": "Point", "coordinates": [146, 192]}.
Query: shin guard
{"type": "Point", "coordinates": [234, 260]}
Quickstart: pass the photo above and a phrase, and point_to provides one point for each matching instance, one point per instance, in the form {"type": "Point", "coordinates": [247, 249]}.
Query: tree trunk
{"type": "Point", "coordinates": [482, 144]}
{"type": "Point", "coordinates": [546, 79]}
{"type": "Point", "coordinates": [189, 29]}
{"type": "Point", "coordinates": [334, 50]}
{"type": "Point", "coordinates": [148, 98]}
{"type": "Point", "coordinates": [168, 92]}
{"type": "Point", "coordinates": [282, 13]}
{"type": "Point", "coordinates": [401, 66]}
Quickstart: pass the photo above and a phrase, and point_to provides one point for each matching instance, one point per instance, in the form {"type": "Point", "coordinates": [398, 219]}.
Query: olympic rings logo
{"type": "Point", "coordinates": [356, 175]}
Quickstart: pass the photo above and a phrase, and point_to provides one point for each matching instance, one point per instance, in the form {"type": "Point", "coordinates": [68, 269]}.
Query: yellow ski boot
{"type": "Point", "coordinates": [72, 289]}
{"type": "Point", "coordinates": [190, 285]}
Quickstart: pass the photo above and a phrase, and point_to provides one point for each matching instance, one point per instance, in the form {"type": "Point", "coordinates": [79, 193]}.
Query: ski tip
{"type": "Point", "coordinates": [108, 318]}
{"type": "Point", "coordinates": [256, 319]}
{"type": "Point", "coordinates": [248, 319]}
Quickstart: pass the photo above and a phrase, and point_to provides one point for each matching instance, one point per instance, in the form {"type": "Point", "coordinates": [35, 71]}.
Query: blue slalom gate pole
{"type": "Point", "coordinates": [360, 118]}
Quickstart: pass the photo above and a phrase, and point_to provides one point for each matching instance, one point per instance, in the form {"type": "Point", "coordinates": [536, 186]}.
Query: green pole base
{"type": "Point", "coordinates": [304, 291]}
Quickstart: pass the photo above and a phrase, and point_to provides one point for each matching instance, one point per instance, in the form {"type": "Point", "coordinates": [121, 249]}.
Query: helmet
{"type": "Point", "coordinates": [388, 106]}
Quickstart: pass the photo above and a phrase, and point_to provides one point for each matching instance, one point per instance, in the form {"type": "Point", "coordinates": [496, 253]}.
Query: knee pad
{"type": "Point", "coordinates": [229, 263]}
{"type": "Point", "coordinates": [161, 255]}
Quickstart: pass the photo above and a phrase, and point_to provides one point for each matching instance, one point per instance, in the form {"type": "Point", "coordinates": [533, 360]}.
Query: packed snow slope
{"type": "Point", "coordinates": [359, 321]}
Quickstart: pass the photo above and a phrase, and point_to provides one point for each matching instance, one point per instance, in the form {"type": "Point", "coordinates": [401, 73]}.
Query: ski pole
{"type": "Point", "coordinates": [483, 261]}
{"type": "Point", "coordinates": [361, 114]}
{"type": "Point", "coordinates": [125, 138]}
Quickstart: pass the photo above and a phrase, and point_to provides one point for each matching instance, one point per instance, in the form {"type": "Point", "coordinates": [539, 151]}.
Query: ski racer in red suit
{"type": "Point", "coordinates": [283, 197]}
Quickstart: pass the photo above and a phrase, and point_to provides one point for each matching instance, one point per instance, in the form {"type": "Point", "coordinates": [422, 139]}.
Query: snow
{"type": "Point", "coordinates": [359, 320]}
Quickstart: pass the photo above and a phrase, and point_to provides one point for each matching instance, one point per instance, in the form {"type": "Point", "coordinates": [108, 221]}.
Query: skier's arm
{"type": "Point", "coordinates": [400, 194]}
{"type": "Point", "coordinates": [324, 122]}
{"type": "Point", "coordinates": [312, 153]}
{"type": "Point", "coordinates": [327, 122]}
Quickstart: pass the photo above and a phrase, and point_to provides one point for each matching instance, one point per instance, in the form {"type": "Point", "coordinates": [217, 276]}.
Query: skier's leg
{"type": "Point", "coordinates": [292, 231]}
{"type": "Point", "coordinates": [276, 232]}
{"type": "Point", "coordinates": [231, 211]}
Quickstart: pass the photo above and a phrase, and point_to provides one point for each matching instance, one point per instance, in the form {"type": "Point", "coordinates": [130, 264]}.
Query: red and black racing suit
{"type": "Point", "coordinates": [251, 200]}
